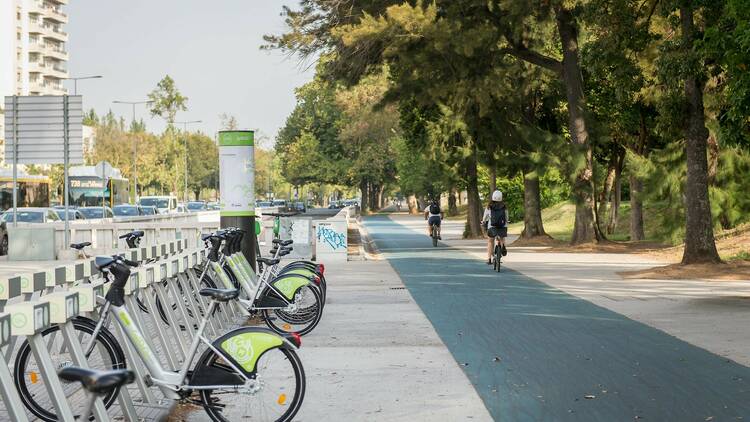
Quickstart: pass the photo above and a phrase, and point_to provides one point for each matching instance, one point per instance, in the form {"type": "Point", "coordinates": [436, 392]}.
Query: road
{"type": "Point", "coordinates": [534, 352]}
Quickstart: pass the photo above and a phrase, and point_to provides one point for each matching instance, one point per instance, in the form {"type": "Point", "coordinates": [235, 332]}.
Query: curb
{"type": "Point", "coordinates": [367, 247]}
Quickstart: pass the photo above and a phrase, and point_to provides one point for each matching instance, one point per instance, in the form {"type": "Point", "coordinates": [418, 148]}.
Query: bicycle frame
{"type": "Point", "coordinates": [169, 382]}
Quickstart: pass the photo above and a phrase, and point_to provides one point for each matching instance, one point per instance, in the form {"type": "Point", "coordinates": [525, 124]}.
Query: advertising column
{"type": "Point", "coordinates": [237, 186]}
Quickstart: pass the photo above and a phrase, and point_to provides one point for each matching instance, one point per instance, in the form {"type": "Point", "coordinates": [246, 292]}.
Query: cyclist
{"type": "Point", "coordinates": [495, 219]}
{"type": "Point", "coordinates": [433, 214]}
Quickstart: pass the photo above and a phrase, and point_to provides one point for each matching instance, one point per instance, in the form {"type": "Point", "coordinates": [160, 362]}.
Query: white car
{"type": "Point", "coordinates": [163, 204]}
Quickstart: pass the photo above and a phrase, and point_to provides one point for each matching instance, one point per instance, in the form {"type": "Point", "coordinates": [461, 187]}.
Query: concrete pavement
{"type": "Point", "coordinates": [375, 357]}
{"type": "Point", "coordinates": [535, 352]}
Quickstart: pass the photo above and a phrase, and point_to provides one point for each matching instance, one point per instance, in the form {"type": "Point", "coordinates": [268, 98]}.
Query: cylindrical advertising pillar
{"type": "Point", "coordinates": [237, 186]}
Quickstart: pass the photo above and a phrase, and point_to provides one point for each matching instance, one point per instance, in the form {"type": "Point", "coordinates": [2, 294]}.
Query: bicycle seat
{"type": "Point", "coordinates": [283, 242]}
{"type": "Point", "coordinates": [134, 233]}
{"type": "Point", "coordinates": [221, 295]}
{"type": "Point", "coordinates": [269, 261]}
{"type": "Point", "coordinates": [80, 246]}
{"type": "Point", "coordinates": [97, 382]}
{"type": "Point", "coordinates": [103, 261]}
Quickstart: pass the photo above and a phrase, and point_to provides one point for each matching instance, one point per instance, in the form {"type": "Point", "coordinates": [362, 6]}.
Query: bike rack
{"type": "Point", "coordinates": [58, 295]}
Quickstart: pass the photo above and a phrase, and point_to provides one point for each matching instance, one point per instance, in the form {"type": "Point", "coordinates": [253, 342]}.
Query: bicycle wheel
{"type": "Point", "coordinates": [302, 320]}
{"type": "Point", "coordinates": [434, 237]}
{"type": "Point", "coordinates": [106, 355]}
{"type": "Point", "coordinates": [277, 393]}
{"type": "Point", "coordinates": [497, 258]}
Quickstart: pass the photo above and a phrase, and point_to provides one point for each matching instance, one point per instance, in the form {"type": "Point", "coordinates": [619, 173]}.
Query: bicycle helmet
{"type": "Point", "coordinates": [497, 196]}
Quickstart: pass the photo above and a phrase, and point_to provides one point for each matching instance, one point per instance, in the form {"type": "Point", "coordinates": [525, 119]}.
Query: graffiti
{"type": "Point", "coordinates": [334, 239]}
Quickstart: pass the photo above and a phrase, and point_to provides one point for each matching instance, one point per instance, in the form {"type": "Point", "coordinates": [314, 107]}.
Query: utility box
{"type": "Point", "coordinates": [31, 244]}
{"type": "Point", "coordinates": [331, 241]}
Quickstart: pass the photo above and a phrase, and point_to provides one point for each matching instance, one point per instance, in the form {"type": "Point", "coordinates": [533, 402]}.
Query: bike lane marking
{"type": "Point", "coordinates": [533, 352]}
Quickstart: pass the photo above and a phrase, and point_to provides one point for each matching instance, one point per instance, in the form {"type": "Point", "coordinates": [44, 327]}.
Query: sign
{"type": "Point", "coordinates": [39, 121]}
{"type": "Point", "coordinates": [237, 173]}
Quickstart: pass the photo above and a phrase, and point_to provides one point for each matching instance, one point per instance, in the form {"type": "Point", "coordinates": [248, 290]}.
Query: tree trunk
{"type": "Point", "coordinates": [609, 182]}
{"type": "Point", "coordinates": [584, 229]}
{"type": "Point", "coordinates": [636, 209]}
{"type": "Point", "coordinates": [364, 203]}
{"type": "Point", "coordinates": [411, 201]}
{"type": "Point", "coordinates": [532, 207]}
{"type": "Point", "coordinates": [614, 211]}
{"type": "Point", "coordinates": [452, 207]}
{"type": "Point", "coordinates": [493, 179]}
{"type": "Point", "coordinates": [699, 233]}
{"type": "Point", "coordinates": [474, 216]}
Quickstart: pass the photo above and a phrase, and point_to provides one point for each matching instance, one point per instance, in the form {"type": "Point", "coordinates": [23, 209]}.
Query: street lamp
{"type": "Point", "coordinates": [75, 81]}
{"type": "Point", "coordinates": [135, 145]}
{"type": "Point", "coordinates": [186, 155]}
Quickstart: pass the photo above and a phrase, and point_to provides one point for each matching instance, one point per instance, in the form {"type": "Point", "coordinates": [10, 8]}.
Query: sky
{"type": "Point", "coordinates": [211, 48]}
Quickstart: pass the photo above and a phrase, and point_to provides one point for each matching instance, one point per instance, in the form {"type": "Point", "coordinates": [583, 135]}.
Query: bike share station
{"type": "Point", "coordinates": [55, 323]}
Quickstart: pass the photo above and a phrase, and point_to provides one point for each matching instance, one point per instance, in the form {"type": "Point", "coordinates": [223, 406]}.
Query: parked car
{"type": "Point", "coordinates": [164, 204]}
{"type": "Point", "coordinates": [264, 204]}
{"type": "Point", "coordinates": [23, 215]}
{"type": "Point", "coordinates": [281, 203]}
{"type": "Point", "coordinates": [96, 212]}
{"type": "Point", "coordinates": [149, 210]}
{"type": "Point", "coordinates": [196, 206]}
{"type": "Point", "coordinates": [333, 205]}
{"type": "Point", "coordinates": [127, 210]}
{"type": "Point", "coordinates": [180, 209]}
{"type": "Point", "coordinates": [300, 207]}
{"type": "Point", "coordinates": [73, 214]}
{"type": "Point", "coordinates": [213, 206]}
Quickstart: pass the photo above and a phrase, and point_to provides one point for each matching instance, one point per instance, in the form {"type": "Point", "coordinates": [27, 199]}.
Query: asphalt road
{"type": "Point", "coordinates": [535, 353]}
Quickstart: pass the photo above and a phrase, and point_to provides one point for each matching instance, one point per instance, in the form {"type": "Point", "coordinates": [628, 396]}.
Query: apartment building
{"type": "Point", "coordinates": [33, 56]}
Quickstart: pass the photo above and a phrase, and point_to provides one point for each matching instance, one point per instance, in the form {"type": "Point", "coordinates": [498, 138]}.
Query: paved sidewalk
{"type": "Point", "coordinates": [375, 357]}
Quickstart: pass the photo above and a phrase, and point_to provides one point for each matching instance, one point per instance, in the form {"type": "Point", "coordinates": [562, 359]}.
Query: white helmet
{"type": "Point", "coordinates": [497, 196]}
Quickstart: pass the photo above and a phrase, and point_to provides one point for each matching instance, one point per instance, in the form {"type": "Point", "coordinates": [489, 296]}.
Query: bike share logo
{"type": "Point", "coordinates": [240, 348]}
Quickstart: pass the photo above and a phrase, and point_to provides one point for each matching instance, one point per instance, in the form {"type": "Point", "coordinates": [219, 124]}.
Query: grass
{"type": "Point", "coordinates": [559, 219]}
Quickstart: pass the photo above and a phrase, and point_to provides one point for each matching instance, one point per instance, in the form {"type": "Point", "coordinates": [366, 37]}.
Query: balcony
{"type": "Point", "coordinates": [56, 52]}
{"type": "Point", "coordinates": [54, 32]}
{"type": "Point", "coordinates": [55, 14]}
{"type": "Point", "coordinates": [37, 67]}
{"type": "Point", "coordinates": [36, 27]}
{"type": "Point", "coordinates": [56, 71]}
{"type": "Point", "coordinates": [37, 47]}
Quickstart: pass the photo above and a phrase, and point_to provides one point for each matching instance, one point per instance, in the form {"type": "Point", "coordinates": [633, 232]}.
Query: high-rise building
{"type": "Point", "coordinates": [33, 57]}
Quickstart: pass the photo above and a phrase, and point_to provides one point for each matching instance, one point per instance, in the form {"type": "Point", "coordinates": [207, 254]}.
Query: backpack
{"type": "Point", "coordinates": [497, 215]}
{"type": "Point", "coordinates": [434, 209]}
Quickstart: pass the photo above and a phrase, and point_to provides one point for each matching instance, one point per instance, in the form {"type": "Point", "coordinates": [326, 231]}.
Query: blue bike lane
{"type": "Point", "coordinates": [535, 353]}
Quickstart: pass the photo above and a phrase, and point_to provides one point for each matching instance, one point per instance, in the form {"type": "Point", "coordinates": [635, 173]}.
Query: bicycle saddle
{"type": "Point", "coordinates": [269, 261]}
{"type": "Point", "coordinates": [283, 242]}
{"type": "Point", "coordinates": [80, 246]}
{"type": "Point", "coordinates": [97, 382]}
{"type": "Point", "coordinates": [104, 261]}
{"type": "Point", "coordinates": [134, 233]}
{"type": "Point", "coordinates": [221, 295]}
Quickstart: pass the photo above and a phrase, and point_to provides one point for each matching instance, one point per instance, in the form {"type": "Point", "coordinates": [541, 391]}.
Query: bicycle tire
{"type": "Point", "coordinates": [307, 317]}
{"type": "Point", "coordinates": [212, 407]}
{"type": "Point", "coordinates": [31, 401]}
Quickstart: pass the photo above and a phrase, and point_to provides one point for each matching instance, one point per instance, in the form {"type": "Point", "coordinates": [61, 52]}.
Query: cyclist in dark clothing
{"type": "Point", "coordinates": [495, 220]}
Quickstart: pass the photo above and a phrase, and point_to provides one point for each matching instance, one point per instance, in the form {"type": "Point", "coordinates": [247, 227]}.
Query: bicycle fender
{"type": "Point", "coordinates": [289, 284]}
{"type": "Point", "coordinates": [244, 346]}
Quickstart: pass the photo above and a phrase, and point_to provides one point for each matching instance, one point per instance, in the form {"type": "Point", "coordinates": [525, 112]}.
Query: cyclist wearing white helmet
{"type": "Point", "coordinates": [495, 221]}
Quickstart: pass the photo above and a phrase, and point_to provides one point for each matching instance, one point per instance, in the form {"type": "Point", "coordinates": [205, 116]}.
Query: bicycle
{"type": "Point", "coordinates": [434, 235]}
{"type": "Point", "coordinates": [96, 383]}
{"type": "Point", "coordinates": [236, 365]}
{"type": "Point", "coordinates": [496, 257]}
{"type": "Point", "coordinates": [296, 300]}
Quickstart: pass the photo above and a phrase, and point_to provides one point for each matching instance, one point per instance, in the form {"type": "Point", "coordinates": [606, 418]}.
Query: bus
{"type": "Point", "coordinates": [89, 189]}
{"type": "Point", "coordinates": [33, 190]}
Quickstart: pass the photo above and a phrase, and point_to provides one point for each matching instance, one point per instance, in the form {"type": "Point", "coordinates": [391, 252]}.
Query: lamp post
{"type": "Point", "coordinates": [135, 145]}
{"type": "Point", "coordinates": [185, 124]}
{"type": "Point", "coordinates": [76, 79]}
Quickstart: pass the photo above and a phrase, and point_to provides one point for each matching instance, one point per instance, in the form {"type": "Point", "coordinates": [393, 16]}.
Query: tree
{"type": "Point", "coordinates": [166, 100]}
